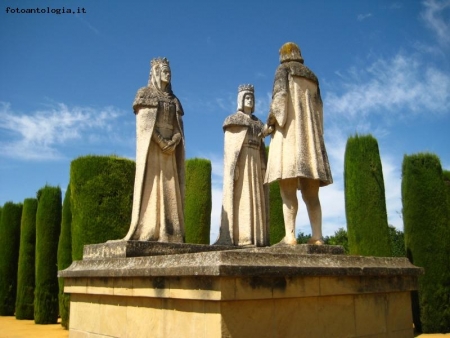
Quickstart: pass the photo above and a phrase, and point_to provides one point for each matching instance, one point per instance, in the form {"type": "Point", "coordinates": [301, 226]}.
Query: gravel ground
{"type": "Point", "coordinates": [10, 327]}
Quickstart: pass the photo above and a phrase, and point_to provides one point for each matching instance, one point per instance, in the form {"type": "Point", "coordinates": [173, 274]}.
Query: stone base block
{"type": "Point", "coordinates": [245, 293]}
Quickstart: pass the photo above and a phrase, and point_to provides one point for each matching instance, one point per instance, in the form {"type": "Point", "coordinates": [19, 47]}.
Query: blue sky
{"type": "Point", "coordinates": [67, 82]}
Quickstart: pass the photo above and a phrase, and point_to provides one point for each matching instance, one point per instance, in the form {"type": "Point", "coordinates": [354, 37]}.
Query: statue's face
{"type": "Point", "coordinates": [248, 101]}
{"type": "Point", "coordinates": [165, 74]}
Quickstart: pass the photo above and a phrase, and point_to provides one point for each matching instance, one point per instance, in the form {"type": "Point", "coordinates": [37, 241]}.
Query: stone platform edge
{"type": "Point", "coordinates": [123, 249]}
{"type": "Point", "coordinates": [199, 260]}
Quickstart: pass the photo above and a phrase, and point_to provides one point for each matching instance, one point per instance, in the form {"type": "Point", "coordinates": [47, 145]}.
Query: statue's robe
{"type": "Point", "coordinates": [158, 197]}
{"type": "Point", "coordinates": [244, 219]}
{"type": "Point", "coordinates": [297, 147]}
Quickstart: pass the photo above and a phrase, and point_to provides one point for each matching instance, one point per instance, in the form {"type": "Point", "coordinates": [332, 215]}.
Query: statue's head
{"type": "Point", "coordinates": [290, 52]}
{"type": "Point", "coordinates": [160, 74]}
{"type": "Point", "coordinates": [246, 97]}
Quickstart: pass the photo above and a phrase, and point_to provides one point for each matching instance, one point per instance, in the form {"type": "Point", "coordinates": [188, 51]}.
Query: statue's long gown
{"type": "Point", "coordinates": [159, 184]}
{"type": "Point", "coordinates": [244, 218]}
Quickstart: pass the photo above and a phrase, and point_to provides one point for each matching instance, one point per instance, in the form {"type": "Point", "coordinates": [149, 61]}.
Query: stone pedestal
{"type": "Point", "coordinates": [302, 291]}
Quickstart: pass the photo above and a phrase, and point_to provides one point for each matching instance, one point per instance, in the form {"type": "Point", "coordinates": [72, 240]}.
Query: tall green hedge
{"type": "Point", "coordinates": [397, 242]}
{"type": "Point", "coordinates": [427, 234]}
{"type": "Point", "coordinates": [9, 256]}
{"type": "Point", "coordinates": [197, 204]}
{"type": "Point", "coordinates": [365, 202]}
{"type": "Point", "coordinates": [25, 273]}
{"type": "Point", "coordinates": [48, 225]}
{"type": "Point", "coordinates": [101, 200]}
{"type": "Point", "coordinates": [64, 257]}
{"type": "Point", "coordinates": [277, 230]}
{"type": "Point", "coordinates": [446, 175]}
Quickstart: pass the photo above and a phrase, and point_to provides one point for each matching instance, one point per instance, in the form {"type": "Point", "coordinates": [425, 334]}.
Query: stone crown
{"type": "Point", "coordinates": [246, 88]}
{"type": "Point", "coordinates": [159, 62]}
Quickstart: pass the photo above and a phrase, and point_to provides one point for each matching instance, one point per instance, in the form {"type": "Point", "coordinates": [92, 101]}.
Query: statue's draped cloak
{"type": "Point", "coordinates": [297, 147]}
{"type": "Point", "coordinates": [244, 219]}
{"type": "Point", "coordinates": [165, 210]}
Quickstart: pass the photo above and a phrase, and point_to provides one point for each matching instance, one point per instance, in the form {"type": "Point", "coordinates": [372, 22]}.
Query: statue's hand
{"type": "Point", "coordinates": [176, 138]}
{"type": "Point", "coordinates": [267, 130]}
{"type": "Point", "coordinates": [170, 147]}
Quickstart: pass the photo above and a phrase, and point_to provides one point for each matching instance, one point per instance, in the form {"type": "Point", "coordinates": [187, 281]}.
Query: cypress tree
{"type": "Point", "coordinates": [365, 201]}
{"type": "Point", "coordinates": [65, 257]}
{"type": "Point", "coordinates": [48, 225]}
{"type": "Point", "coordinates": [198, 204]}
{"type": "Point", "coordinates": [101, 200]}
{"type": "Point", "coordinates": [426, 220]}
{"type": "Point", "coordinates": [25, 273]}
{"type": "Point", "coordinates": [397, 242]}
{"type": "Point", "coordinates": [276, 218]}
{"type": "Point", "coordinates": [446, 175]}
{"type": "Point", "coordinates": [9, 256]}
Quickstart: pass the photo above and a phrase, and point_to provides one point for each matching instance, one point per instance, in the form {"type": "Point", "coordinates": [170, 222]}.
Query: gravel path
{"type": "Point", "coordinates": [10, 327]}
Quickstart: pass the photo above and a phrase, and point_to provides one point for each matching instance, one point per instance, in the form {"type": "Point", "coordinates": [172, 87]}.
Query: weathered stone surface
{"type": "Point", "coordinates": [158, 196]}
{"type": "Point", "coordinates": [245, 200]}
{"type": "Point", "coordinates": [256, 262]}
{"type": "Point", "coordinates": [123, 249]}
{"type": "Point", "coordinates": [248, 292]}
{"type": "Point", "coordinates": [297, 156]}
{"type": "Point", "coordinates": [301, 249]}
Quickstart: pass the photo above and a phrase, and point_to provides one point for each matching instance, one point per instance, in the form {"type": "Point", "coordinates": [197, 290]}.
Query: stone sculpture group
{"type": "Point", "coordinates": [297, 158]}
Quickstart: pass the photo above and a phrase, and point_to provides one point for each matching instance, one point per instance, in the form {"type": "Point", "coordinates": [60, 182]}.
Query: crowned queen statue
{"type": "Point", "coordinates": [159, 182]}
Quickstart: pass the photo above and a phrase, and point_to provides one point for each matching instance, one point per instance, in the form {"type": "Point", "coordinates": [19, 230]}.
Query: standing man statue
{"type": "Point", "coordinates": [297, 155]}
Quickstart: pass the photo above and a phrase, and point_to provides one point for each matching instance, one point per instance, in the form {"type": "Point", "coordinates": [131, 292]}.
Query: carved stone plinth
{"type": "Point", "coordinates": [302, 291]}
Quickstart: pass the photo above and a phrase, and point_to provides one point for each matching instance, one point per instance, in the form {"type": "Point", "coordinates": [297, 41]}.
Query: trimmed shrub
{"type": "Point", "coordinates": [340, 237]}
{"type": "Point", "coordinates": [48, 225]}
{"type": "Point", "coordinates": [303, 238]}
{"type": "Point", "coordinates": [365, 202]}
{"type": "Point", "coordinates": [9, 256]}
{"type": "Point", "coordinates": [426, 221]}
{"type": "Point", "coordinates": [197, 204]}
{"type": "Point", "coordinates": [276, 218]}
{"type": "Point", "coordinates": [101, 200]}
{"type": "Point", "coordinates": [397, 242]}
{"type": "Point", "coordinates": [25, 273]}
{"type": "Point", "coordinates": [64, 257]}
{"type": "Point", "coordinates": [446, 175]}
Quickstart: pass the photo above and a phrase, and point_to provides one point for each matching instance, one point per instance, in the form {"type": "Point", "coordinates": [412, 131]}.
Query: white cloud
{"type": "Point", "coordinates": [262, 105]}
{"type": "Point", "coordinates": [435, 16]}
{"type": "Point", "coordinates": [362, 17]}
{"type": "Point", "coordinates": [40, 135]}
{"type": "Point", "coordinates": [392, 186]}
{"type": "Point", "coordinates": [87, 24]}
{"type": "Point", "coordinates": [392, 85]}
{"type": "Point", "coordinates": [396, 5]}
{"type": "Point", "coordinates": [227, 103]}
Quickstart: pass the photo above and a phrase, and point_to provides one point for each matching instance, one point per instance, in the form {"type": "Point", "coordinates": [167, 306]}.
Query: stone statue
{"type": "Point", "coordinates": [244, 218]}
{"type": "Point", "coordinates": [159, 183]}
{"type": "Point", "coordinates": [297, 155]}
